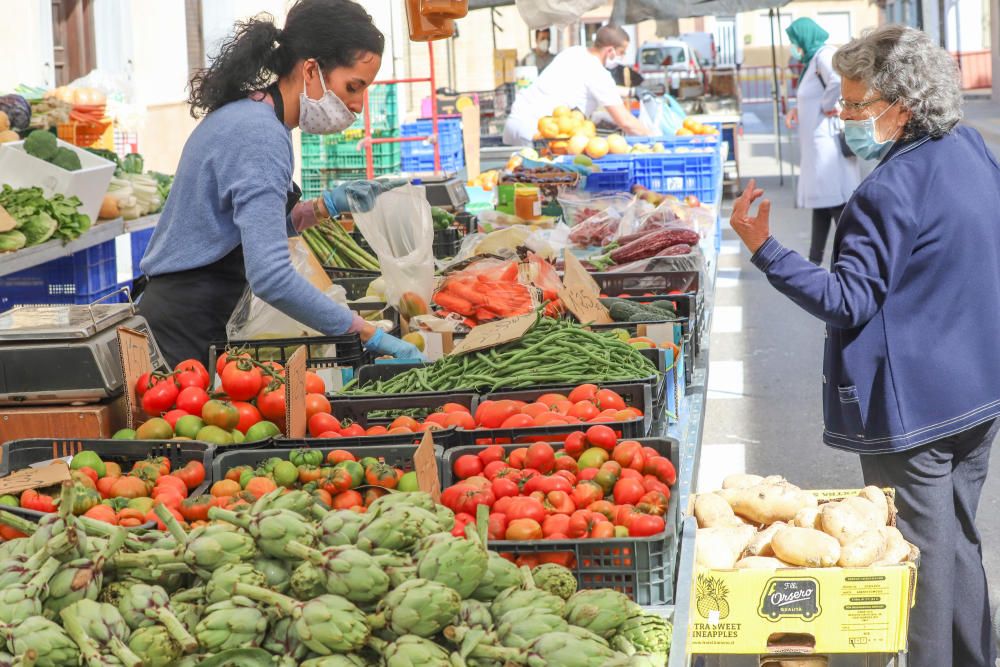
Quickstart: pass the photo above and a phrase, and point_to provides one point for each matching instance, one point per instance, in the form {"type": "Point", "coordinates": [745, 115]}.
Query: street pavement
{"type": "Point", "coordinates": [764, 412]}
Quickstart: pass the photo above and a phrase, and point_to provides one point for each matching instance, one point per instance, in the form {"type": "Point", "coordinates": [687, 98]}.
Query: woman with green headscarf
{"type": "Point", "coordinates": [826, 177]}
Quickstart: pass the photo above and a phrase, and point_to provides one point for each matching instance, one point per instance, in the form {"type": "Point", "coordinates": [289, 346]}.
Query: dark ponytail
{"type": "Point", "coordinates": [334, 32]}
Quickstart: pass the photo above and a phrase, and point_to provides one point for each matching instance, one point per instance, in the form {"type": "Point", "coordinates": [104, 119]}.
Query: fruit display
{"type": "Point", "coordinates": [767, 523]}
{"type": "Point", "coordinates": [691, 127]}
{"type": "Point", "coordinates": [275, 583]}
{"type": "Point", "coordinates": [593, 486]}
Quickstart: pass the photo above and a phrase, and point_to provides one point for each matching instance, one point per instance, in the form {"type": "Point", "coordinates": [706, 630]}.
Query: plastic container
{"type": "Point", "coordinates": [90, 183]}
{"type": "Point", "coordinates": [417, 163]}
{"type": "Point", "coordinates": [578, 206]}
{"type": "Point", "coordinates": [447, 242]}
{"type": "Point", "coordinates": [615, 175]}
{"type": "Point", "coordinates": [640, 567]}
{"type": "Point", "coordinates": [372, 410]}
{"type": "Point", "coordinates": [334, 358]}
{"type": "Point", "coordinates": [354, 281]}
{"type": "Point", "coordinates": [444, 9]}
{"type": "Point", "coordinates": [637, 284]}
{"type": "Point", "coordinates": [140, 241]}
{"type": "Point", "coordinates": [694, 173]}
{"type": "Point", "coordinates": [81, 278]}
{"type": "Point", "coordinates": [423, 28]}
{"type": "Point", "coordinates": [443, 438]}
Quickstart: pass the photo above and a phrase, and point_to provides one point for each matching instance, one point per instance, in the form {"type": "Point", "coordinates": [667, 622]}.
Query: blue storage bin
{"type": "Point", "coordinates": [425, 161]}
{"type": "Point", "coordinates": [693, 173]}
{"type": "Point", "coordinates": [449, 140]}
{"type": "Point", "coordinates": [615, 175]}
{"type": "Point", "coordinates": [80, 278]}
{"type": "Point", "coordinates": [140, 241]}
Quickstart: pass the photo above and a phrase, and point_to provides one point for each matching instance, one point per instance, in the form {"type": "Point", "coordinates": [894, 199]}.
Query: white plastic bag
{"type": "Point", "coordinates": [545, 13]}
{"type": "Point", "coordinates": [400, 230]}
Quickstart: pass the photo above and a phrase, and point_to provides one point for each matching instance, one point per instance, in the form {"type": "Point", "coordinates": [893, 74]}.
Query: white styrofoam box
{"type": "Point", "coordinates": [90, 183]}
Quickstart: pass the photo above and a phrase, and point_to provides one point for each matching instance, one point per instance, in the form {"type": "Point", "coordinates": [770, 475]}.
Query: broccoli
{"type": "Point", "coordinates": [41, 144]}
{"type": "Point", "coordinates": [67, 159]}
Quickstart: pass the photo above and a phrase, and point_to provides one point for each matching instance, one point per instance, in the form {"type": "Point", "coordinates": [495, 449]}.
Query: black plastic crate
{"type": "Point", "coordinates": [467, 222]}
{"type": "Point", "coordinates": [347, 350]}
{"type": "Point", "coordinates": [360, 407]}
{"type": "Point", "coordinates": [396, 455]}
{"type": "Point", "coordinates": [386, 312]}
{"type": "Point", "coordinates": [640, 567]}
{"type": "Point", "coordinates": [354, 281]}
{"type": "Point", "coordinates": [447, 242]}
{"type": "Point", "coordinates": [637, 284]}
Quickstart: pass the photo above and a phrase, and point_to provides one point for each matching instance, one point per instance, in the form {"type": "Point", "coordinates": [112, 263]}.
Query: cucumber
{"type": "Point", "coordinates": [622, 311]}
{"type": "Point", "coordinates": [663, 304]}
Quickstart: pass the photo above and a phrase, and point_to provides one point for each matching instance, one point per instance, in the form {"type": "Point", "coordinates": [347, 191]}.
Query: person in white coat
{"type": "Point", "coordinates": [827, 178]}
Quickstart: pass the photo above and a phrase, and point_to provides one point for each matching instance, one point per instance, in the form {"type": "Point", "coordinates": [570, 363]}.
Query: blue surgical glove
{"type": "Point", "coordinates": [357, 196]}
{"type": "Point", "coordinates": [383, 343]}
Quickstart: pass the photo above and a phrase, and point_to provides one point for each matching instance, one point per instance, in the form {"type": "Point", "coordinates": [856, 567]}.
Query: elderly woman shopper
{"type": "Point", "coordinates": [827, 178]}
{"type": "Point", "coordinates": [911, 376]}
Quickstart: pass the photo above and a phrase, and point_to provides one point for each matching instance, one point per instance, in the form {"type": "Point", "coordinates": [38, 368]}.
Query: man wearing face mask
{"type": "Point", "coordinates": [579, 78]}
{"type": "Point", "coordinates": [540, 56]}
{"type": "Point", "coordinates": [911, 305]}
{"type": "Point", "coordinates": [226, 223]}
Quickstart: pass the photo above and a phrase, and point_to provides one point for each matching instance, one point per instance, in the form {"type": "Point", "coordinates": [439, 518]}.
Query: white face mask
{"type": "Point", "coordinates": [543, 45]}
{"type": "Point", "coordinates": [614, 61]}
{"type": "Point", "coordinates": [327, 115]}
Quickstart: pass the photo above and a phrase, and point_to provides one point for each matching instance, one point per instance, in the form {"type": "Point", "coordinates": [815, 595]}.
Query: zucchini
{"type": "Point", "coordinates": [663, 304]}
{"type": "Point", "coordinates": [622, 311]}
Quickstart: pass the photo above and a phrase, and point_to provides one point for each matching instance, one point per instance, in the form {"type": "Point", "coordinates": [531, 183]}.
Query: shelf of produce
{"type": "Point", "coordinates": [104, 230]}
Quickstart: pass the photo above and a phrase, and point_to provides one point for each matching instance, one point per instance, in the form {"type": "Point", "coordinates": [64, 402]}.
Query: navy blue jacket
{"type": "Point", "coordinates": [912, 302]}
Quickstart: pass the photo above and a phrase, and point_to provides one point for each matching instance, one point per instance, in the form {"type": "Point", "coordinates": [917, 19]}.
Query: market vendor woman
{"type": "Point", "coordinates": [911, 376]}
{"type": "Point", "coordinates": [226, 222]}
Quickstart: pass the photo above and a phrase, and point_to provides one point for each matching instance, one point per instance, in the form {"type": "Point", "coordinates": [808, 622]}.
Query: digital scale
{"type": "Point", "coordinates": [65, 354]}
{"type": "Point", "coordinates": [443, 190]}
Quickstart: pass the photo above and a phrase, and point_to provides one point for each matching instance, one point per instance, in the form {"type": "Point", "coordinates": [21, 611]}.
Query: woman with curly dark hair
{"type": "Point", "coordinates": [226, 222]}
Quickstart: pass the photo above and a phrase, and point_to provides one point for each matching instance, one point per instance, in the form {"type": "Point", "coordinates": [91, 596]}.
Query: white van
{"type": "Point", "coordinates": [666, 62]}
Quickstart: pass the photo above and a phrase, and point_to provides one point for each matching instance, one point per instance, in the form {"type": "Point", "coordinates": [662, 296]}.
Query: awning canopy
{"type": "Point", "coordinates": [641, 10]}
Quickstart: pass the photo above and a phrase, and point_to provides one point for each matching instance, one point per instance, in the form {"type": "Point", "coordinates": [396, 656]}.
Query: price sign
{"type": "Point", "coordinates": [295, 394]}
{"type": "Point", "coordinates": [35, 478]}
{"type": "Point", "coordinates": [133, 353]}
{"type": "Point", "coordinates": [495, 333]}
{"type": "Point", "coordinates": [426, 467]}
{"type": "Point", "coordinates": [580, 294]}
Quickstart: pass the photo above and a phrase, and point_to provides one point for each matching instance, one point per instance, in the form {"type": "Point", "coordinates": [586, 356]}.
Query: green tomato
{"type": "Point", "coordinates": [87, 459]}
{"type": "Point", "coordinates": [356, 471]}
{"type": "Point", "coordinates": [285, 473]}
{"type": "Point", "coordinates": [246, 476]}
{"type": "Point", "coordinates": [408, 482]}
{"type": "Point", "coordinates": [8, 500]}
{"type": "Point", "coordinates": [124, 434]}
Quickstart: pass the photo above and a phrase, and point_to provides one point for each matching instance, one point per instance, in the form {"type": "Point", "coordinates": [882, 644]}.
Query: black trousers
{"type": "Point", "coordinates": [937, 493]}
{"type": "Point", "coordinates": [821, 219]}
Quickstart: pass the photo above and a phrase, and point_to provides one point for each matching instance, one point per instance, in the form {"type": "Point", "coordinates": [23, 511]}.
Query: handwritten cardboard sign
{"type": "Point", "coordinates": [295, 394]}
{"type": "Point", "coordinates": [133, 353]}
{"type": "Point", "coordinates": [7, 221]}
{"type": "Point", "coordinates": [580, 294]}
{"type": "Point", "coordinates": [35, 478]}
{"type": "Point", "coordinates": [495, 333]}
{"type": "Point", "coordinates": [426, 468]}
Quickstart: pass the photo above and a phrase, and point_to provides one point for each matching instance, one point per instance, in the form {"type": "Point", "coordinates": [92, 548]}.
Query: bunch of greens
{"type": "Point", "coordinates": [38, 218]}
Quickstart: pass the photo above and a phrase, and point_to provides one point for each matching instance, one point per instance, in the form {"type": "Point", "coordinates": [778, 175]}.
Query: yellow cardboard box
{"type": "Point", "coordinates": [802, 610]}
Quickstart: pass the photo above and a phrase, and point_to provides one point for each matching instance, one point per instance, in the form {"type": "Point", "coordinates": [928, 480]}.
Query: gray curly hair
{"type": "Point", "coordinates": [904, 64]}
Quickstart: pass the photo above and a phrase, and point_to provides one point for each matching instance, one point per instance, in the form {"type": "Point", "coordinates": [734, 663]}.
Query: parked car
{"type": "Point", "coordinates": [703, 44]}
{"type": "Point", "coordinates": [665, 63]}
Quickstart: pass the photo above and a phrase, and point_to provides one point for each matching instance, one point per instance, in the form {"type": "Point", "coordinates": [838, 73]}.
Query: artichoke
{"type": "Point", "coordinates": [397, 529]}
{"type": "Point", "coordinates": [326, 624]}
{"type": "Point", "coordinates": [233, 623]}
{"type": "Point", "coordinates": [567, 650]}
{"type": "Point", "coordinates": [418, 607]}
{"type": "Point", "coordinates": [307, 581]}
{"type": "Point", "coordinates": [340, 527]}
{"type": "Point", "coordinates": [272, 529]}
{"type": "Point", "coordinates": [420, 499]}
{"type": "Point", "coordinates": [143, 605]}
{"type": "Point", "coordinates": [50, 643]}
{"type": "Point", "coordinates": [648, 633]}
{"type": "Point", "coordinates": [518, 629]}
{"type": "Point", "coordinates": [340, 660]}
{"type": "Point", "coordinates": [397, 575]}
{"type": "Point", "coordinates": [411, 651]}
{"type": "Point", "coordinates": [475, 614]}
{"type": "Point", "coordinates": [80, 579]}
{"type": "Point", "coordinates": [220, 585]}
{"type": "Point", "coordinates": [205, 549]}
{"type": "Point", "coordinates": [21, 601]}
{"type": "Point", "coordinates": [500, 575]}
{"type": "Point", "coordinates": [525, 597]}
{"type": "Point", "coordinates": [347, 571]}
{"type": "Point", "coordinates": [638, 660]}
{"type": "Point", "coordinates": [555, 579]}
{"type": "Point", "coordinates": [297, 501]}
{"type": "Point", "coordinates": [459, 563]}
{"type": "Point", "coordinates": [602, 611]}
{"type": "Point", "coordinates": [277, 576]}
{"type": "Point", "coordinates": [98, 628]}
{"type": "Point", "coordinates": [155, 647]}
{"type": "Point", "coordinates": [281, 640]}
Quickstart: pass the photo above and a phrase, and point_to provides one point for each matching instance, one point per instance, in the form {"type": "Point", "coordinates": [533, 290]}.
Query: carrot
{"type": "Point", "coordinates": [453, 303]}
{"type": "Point", "coordinates": [467, 292]}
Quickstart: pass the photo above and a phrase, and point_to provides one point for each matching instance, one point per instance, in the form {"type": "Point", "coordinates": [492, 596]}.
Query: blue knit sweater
{"type": "Point", "coordinates": [231, 187]}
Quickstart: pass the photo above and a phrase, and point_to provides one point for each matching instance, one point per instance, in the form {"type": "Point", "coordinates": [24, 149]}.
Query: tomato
{"type": "Point", "coordinates": [159, 398]}
{"type": "Point", "coordinates": [454, 407]}
{"type": "Point", "coordinates": [460, 419]}
{"type": "Point", "coordinates": [517, 456]}
{"type": "Point", "coordinates": [496, 527]}
{"type": "Point", "coordinates": [461, 520]}
{"type": "Point", "coordinates": [624, 515]}
{"type": "Point", "coordinates": [652, 483]}
{"type": "Point", "coordinates": [608, 399]}
{"type": "Point", "coordinates": [439, 418]}
{"type": "Point", "coordinates": [241, 380]}
{"type": "Point", "coordinates": [519, 420]}
{"type": "Point", "coordinates": [147, 381]}
{"type": "Point", "coordinates": [628, 491]}
{"type": "Point", "coordinates": [582, 523]}
{"type": "Point", "coordinates": [467, 465]}
{"type": "Point", "coordinates": [586, 493]}
{"type": "Point", "coordinates": [575, 444]}
{"type": "Point", "coordinates": [550, 419]}
{"type": "Point", "coordinates": [196, 508]}
{"type": "Point", "coordinates": [548, 484]}
{"type": "Point", "coordinates": [525, 508]}
{"type": "Point", "coordinates": [602, 436]}
{"type": "Point", "coordinates": [409, 423]}
{"type": "Point", "coordinates": [103, 513]}
{"type": "Point", "coordinates": [491, 414]}
{"type": "Point", "coordinates": [500, 505]}
{"type": "Point", "coordinates": [559, 502]}
{"type": "Point", "coordinates": [345, 500]}
{"type": "Point", "coordinates": [555, 524]}
{"type": "Point", "coordinates": [191, 400]}
{"type": "Point", "coordinates": [249, 415]}
{"type": "Point", "coordinates": [533, 410]}
{"type": "Point", "coordinates": [629, 473]}
{"type": "Point", "coordinates": [316, 404]}
{"type": "Point", "coordinates": [378, 429]}
{"type": "Point", "coordinates": [40, 502]}
{"type": "Point", "coordinates": [583, 410]}
{"type": "Point", "coordinates": [314, 383]}
{"type": "Point", "coordinates": [192, 474]}
{"type": "Point", "coordinates": [603, 507]}
{"type": "Point", "coordinates": [662, 468]}
{"type": "Point", "coordinates": [169, 497]}
{"type": "Point", "coordinates": [585, 392]}
{"type": "Point", "coordinates": [566, 464]}
{"type": "Point", "coordinates": [171, 481]}
{"type": "Point", "coordinates": [193, 365]}
{"type": "Point", "coordinates": [321, 422]}
{"type": "Point", "coordinates": [383, 475]}
{"type": "Point", "coordinates": [127, 487]}
{"type": "Point", "coordinates": [653, 502]}
{"type": "Point", "coordinates": [503, 487]}
{"type": "Point", "coordinates": [645, 525]}
{"type": "Point", "coordinates": [541, 457]}
{"type": "Point", "coordinates": [271, 404]}
{"type": "Point", "coordinates": [491, 453]}
{"type": "Point", "coordinates": [226, 358]}
{"type": "Point", "coordinates": [549, 400]}
{"type": "Point", "coordinates": [524, 529]}
{"type": "Point", "coordinates": [468, 497]}
{"type": "Point", "coordinates": [221, 414]}
{"type": "Point", "coordinates": [104, 486]}
{"type": "Point", "coordinates": [353, 431]}
{"type": "Point", "coordinates": [339, 480]}
{"type": "Point", "coordinates": [260, 486]}
{"type": "Point", "coordinates": [493, 469]}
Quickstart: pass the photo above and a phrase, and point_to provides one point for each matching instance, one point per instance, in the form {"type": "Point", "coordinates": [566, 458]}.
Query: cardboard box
{"type": "Point", "coordinates": [57, 421]}
{"type": "Point", "coordinates": [802, 610]}
{"type": "Point", "coordinates": [504, 63]}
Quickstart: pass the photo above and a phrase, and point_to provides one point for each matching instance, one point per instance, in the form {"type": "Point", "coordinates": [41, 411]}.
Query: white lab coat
{"type": "Point", "coordinates": [826, 177]}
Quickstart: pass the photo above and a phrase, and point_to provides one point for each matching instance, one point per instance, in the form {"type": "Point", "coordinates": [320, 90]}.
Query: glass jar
{"type": "Point", "coordinates": [444, 9]}
{"type": "Point", "coordinates": [426, 28]}
{"type": "Point", "coordinates": [527, 202]}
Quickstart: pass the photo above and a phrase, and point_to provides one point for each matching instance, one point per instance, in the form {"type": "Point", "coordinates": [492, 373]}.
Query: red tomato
{"type": "Point", "coordinates": [492, 453]}
{"type": "Point", "coordinates": [517, 456]}
{"type": "Point", "coordinates": [192, 378]}
{"type": "Point", "coordinates": [467, 465]}
{"type": "Point", "coordinates": [629, 473]}
{"type": "Point", "coordinates": [170, 481]}
{"type": "Point", "coordinates": [555, 524]}
{"type": "Point", "coordinates": [327, 435]}
{"type": "Point", "coordinates": [491, 414]}
{"type": "Point", "coordinates": [241, 380]}
{"type": "Point", "coordinates": [159, 398]}
{"type": "Point", "coordinates": [566, 474]}
{"type": "Point", "coordinates": [439, 418]}
{"type": "Point", "coordinates": [645, 525]}
{"type": "Point", "coordinates": [524, 529]}
{"type": "Point", "coordinates": [550, 400]}
{"type": "Point", "coordinates": [583, 410]}
{"type": "Point", "coordinates": [603, 507]}
{"type": "Point", "coordinates": [345, 500]}
{"type": "Point", "coordinates": [653, 502]}
{"type": "Point", "coordinates": [628, 491]}
{"type": "Point", "coordinates": [314, 383]}
{"type": "Point", "coordinates": [460, 419]}
{"type": "Point", "coordinates": [603, 530]}
{"type": "Point", "coordinates": [575, 444]}
{"type": "Point", "coordinates": [585, 392]}
{"type": "Point", "coordinates": [191, 400]}
{"type": "Point", "coordinates": [549, 419]}
{"type": "Point", "coordinates": [566, 464]}
{"type": "Point", "coordinates": [624, 515]}
{"type": "Point", "coordinates": [587, 492]}
{"type": "Point", "coordinates": [317, 403]}
{"type": "Point", "coordinates": [501, 505]}
{"type": "Point", "coordinates": [192, 474]}
{"type": "Point", "coordinates": [496, 527]}
{"type": "Point", "coordinates": [340, 455]}
{"type": "Point", "coordinates": [608, 399]}
{"type": "Point", "coordinates": [272, 404]}
{"type": "Point", "coordinates": [562, 407]}
{"type": "Point", "coordinates": [653, 483]}
{"type": "Point", "coordinates": [454, 407]}
{"type": "Point", "coordinates": [559, 502]}
{"type": "Point", "coordinates": [409, 423]}
{"type": "Point", "coordinates": [625, 451]}
{"type": "Point", "coordinates": [378, 429]}
{"type": "Point", "coordinates": [525, 508]}
{"type": "Point", "coordinates": [582, 522]}
{"type": "Point", "coordinates": [518, 421]}
{"type": "Point", "coordinates": [352, 431]}
{"type": "Point", "coordinates": [467, 498]}
{"type": "Point", "coordinates": [249, 415]}
{"type": "Point", "coordinates": [322, 422]}
{"type": "Point", "coordinates": [541, 457]}
{"type": "Point", "coordinates": [503, 487]}
{"type": "Point", "coordinates": [193, 365]}
{"type": "Point", "coordinates": [535, 409]}
{"type": "Point", "coordinates": [587, 474]}
{"type": "Point", "coordinates": [461, 519]}
{"type": "Point", "coordinates": [89, 472]}
{"type": "Point", "coordinates": [662, 468]}
{"type": "Point", "coordinates": [492, 469]}
{"type": "Point", "coordinates": [602, 436]}
{"type": "Point", "coordinates": [174, 415]}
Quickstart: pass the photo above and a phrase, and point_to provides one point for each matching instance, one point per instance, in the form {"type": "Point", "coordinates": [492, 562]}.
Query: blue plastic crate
{"type": "Point", "coordinates": [446, 127]}
{"type": "Point", "coordinates": [680, 174]}
{"type": "Point", "coordinates": [140, 241]}
{"type": "Point", "coordinates": [449, 138]}
{"type": "Point", "coordinates": [417, 163]}
{"type": "Point", "coordinates": [615, 175]}
{"type": "Point", "coordinates": [78, 279]}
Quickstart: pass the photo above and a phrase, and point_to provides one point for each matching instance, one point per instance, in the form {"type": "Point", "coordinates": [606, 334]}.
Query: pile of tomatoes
{"type": "Point", "coordinates": [595, 486]}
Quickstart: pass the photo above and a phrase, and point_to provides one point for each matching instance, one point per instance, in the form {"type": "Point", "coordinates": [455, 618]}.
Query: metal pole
{"type": "Point", "coordinates": [434, 110]}
{"type": "Point", "coordinates": [774, 97]}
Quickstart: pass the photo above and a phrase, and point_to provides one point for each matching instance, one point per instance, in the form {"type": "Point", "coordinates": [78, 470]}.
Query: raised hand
{"type": "Point", "coordinates": [753, 230]}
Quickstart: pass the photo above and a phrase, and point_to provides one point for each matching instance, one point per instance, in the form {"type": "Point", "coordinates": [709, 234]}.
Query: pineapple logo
{"type": "Point", "coordinates": [710, 595]}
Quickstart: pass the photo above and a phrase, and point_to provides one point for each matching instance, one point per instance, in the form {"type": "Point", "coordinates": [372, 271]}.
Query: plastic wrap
{"type": "Point", "coordinates": [667, 261]}
{"type": "Point", "coordinates": [578, 207]}
{"type": "Point", "coordinates": [613, 222]}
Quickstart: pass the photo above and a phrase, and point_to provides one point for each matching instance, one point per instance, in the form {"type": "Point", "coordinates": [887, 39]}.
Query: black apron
{"type": "Point", "coordinates": [188, 310]}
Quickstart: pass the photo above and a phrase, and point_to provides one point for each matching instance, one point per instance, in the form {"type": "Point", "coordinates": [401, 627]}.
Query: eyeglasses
{"type": "Point", "coordinates": [858, 106]}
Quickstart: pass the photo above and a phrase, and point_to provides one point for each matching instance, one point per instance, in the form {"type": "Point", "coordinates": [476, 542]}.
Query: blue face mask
{"type": "Point", "coordinates": [796, 53]}
{"type": "Point", "coordinates": [861, 137]}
